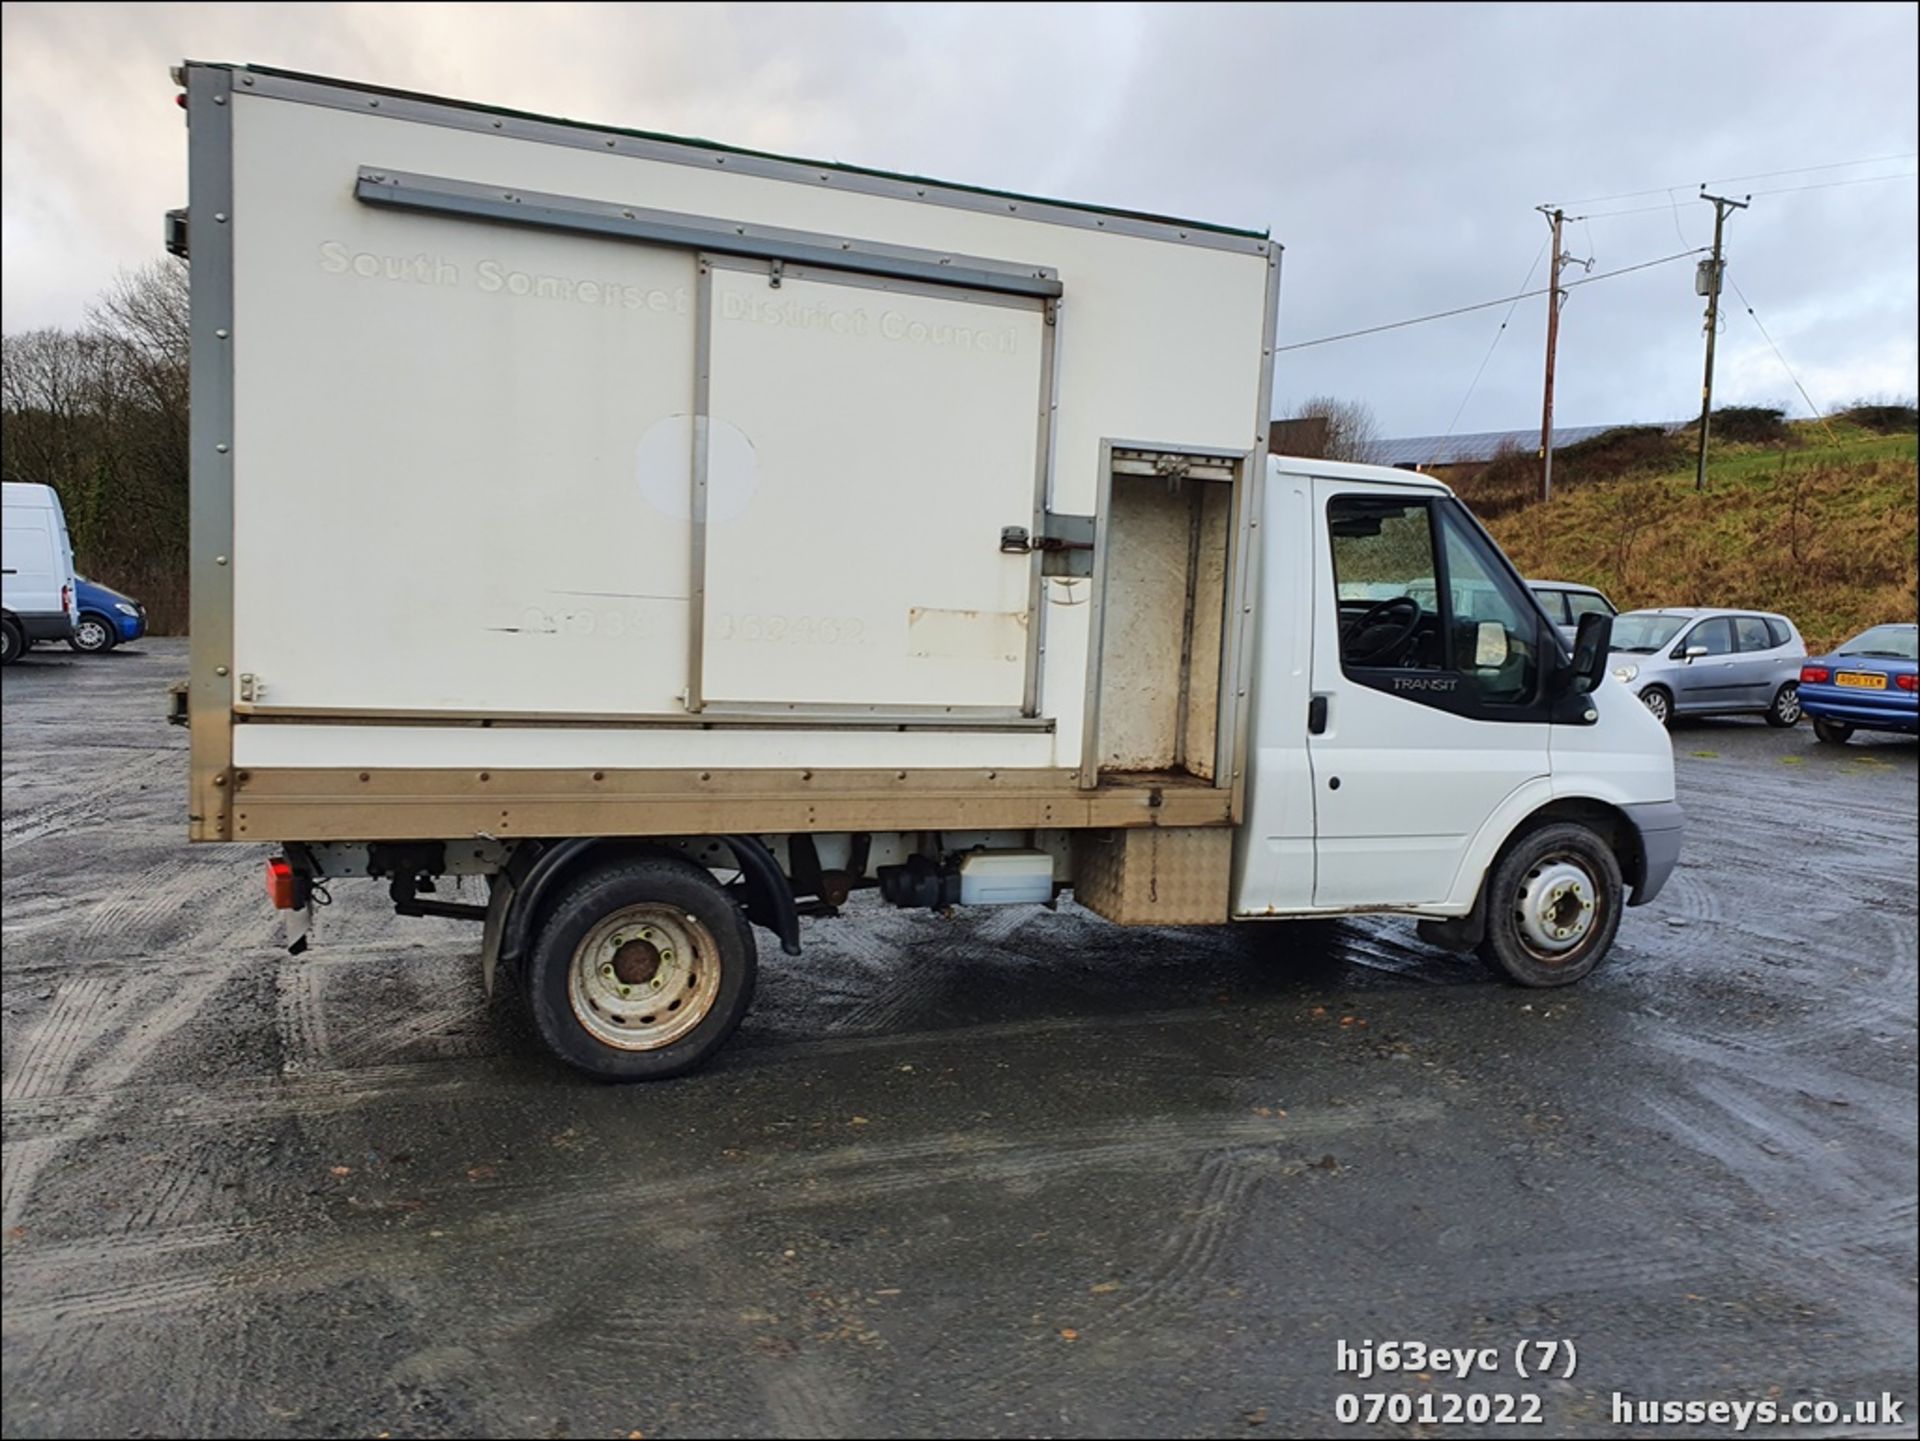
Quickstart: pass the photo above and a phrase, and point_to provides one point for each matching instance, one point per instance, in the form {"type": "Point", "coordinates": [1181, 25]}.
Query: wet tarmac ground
{"type": "Point", "coordinates": [1014, 1173]}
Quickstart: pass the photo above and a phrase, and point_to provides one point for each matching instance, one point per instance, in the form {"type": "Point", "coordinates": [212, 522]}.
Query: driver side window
{"type": "Point", "coordinates": [1384, 577]}
{"type": "Point", "coordinates": [1429, 611]}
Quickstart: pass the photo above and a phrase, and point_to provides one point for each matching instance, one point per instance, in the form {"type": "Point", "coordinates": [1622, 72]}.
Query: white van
{"type": "Point", "coordinates": [36, 603]}
{"type": "Point", "coordinates": [805, 530]}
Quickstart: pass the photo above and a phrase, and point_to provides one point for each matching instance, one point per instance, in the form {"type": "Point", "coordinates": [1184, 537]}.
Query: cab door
{"type": "Point", "coordinates": [1760, 669]}
{"type": "Point", "coordinates": [1713, 680]}
{"type": "Point", "coordinates": [1428, 706]}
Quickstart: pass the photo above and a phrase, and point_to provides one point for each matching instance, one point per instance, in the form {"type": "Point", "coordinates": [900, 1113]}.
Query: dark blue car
{"type": "Point", "coordinates": [103, 618]}
{"type": "Point", "coordinates": [1867, 684]}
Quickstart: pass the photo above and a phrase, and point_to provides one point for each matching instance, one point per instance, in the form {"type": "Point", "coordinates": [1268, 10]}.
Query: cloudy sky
{"type": "Point", "coordinates": [1397, 152]}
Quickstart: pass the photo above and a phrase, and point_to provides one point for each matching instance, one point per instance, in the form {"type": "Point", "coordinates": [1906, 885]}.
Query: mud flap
{"type": "Point", "coordinates": [499, 902]}
{"type": "Point", "coordinates": [297, 928]}
{"type": "Point", "coordinates": [1458, 933]}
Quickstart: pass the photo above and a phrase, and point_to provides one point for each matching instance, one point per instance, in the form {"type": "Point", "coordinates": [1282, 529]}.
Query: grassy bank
{"type": "Point", "coordinates": [1821, 529]}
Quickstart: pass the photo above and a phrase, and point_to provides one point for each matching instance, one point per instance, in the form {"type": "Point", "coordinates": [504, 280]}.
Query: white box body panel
{"type": "Point", "coordinates": [463, 455]}
{"type": "Point", "coordinates": [818, 389]}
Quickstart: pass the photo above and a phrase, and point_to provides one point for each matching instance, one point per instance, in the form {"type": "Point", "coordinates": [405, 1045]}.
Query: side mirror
{"type": "Point", "coordinates": [1694, 652]}
{"type": "Point", "coordinates": [1592, 645]}
{"type": "Point", "coordinates": [1490, 645]}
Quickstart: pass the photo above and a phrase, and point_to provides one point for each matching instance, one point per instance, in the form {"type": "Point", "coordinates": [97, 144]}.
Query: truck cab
{"type": "Point", "coordinates": [1414, 713]}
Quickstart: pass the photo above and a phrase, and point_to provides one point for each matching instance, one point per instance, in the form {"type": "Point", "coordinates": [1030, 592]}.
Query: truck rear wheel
{"type": "Point", "coordinates": [1553, 906]}
{"type": "Point", "coordinates": [641, 970]}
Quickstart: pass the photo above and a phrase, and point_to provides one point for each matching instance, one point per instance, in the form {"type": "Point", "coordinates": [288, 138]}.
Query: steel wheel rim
{"type": "Point", "coordinates": [1787, 704]}
{"type": "Point", "coordinates": [644, 977]}
{"type": "Point", "coordinates": [1558, 907]}
{"type": "Point", "coordinates": [91, 634]}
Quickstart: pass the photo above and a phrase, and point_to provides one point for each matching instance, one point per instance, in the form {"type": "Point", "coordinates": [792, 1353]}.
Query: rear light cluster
{"type": "Point", "coordinates": [286, 887]}
{"type": "Point", "coordinates": [1815, 675]}
{"type": "Point", "coordinates": [1907, 682]}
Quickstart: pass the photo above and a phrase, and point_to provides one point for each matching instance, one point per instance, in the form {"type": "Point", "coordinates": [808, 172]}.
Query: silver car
{"type": "Point", "coordinates": [1710, 662]}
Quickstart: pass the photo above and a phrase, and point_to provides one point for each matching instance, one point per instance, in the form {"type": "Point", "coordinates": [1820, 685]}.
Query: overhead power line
{"type": "Point", "coordinates": [1754, 317]}
{"type": "Point", "coordinates": [1777, 190]}
{"type": "Point", "coordinates": [1489, 304]}
{"type": "Point", "coordinates": [1831, 184]}
{"type": "Point", "coordinates": [1731, 179]}
{"type": "Point", "coordinates": [1474, 385]}
{"type": "Point", "coordinates": [1810, 169]}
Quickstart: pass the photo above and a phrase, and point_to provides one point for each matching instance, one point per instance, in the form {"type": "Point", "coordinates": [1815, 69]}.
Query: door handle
{"type": "Point", "coordinates": [1317, 716]}
{"type": "Point", "coordinates": [1015, 540]}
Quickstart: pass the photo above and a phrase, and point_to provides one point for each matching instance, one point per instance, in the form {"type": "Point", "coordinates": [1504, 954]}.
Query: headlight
{"type": "Point", "coordinates": [125, 609]}
{"type": "Point", "coordinates": [1625, 674]}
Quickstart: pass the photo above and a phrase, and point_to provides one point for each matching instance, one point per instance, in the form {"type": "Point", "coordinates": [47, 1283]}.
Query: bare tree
{"type": "Point", "coordinates": [100, 414]}
{"type": "Point", "coordinates": [1351, 429]}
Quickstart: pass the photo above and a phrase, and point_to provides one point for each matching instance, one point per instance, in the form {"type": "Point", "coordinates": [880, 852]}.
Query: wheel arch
{"type": "Point", "coordinates": [1533, 806]}
{"type": "Point", "coordinates": [1605, 819]}
{"type": "Point", "coordinates": [537, 871]}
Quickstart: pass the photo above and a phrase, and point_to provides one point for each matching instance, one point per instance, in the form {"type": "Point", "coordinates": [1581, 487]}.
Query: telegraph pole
{"type": "Point", "coordinates": [1556, 217]}
{"type": "Point", "coordinates": [1711, 284]}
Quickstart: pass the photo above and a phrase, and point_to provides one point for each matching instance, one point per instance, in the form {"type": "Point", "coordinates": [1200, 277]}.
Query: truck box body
{"type": "Point", "coordinates": [557, 480]}
{"type": "Point", "coordinates": [683, 538]}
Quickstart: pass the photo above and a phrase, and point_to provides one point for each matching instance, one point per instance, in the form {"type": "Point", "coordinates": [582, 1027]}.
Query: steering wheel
{"type": "Point", "coordinates": [1364, 648]}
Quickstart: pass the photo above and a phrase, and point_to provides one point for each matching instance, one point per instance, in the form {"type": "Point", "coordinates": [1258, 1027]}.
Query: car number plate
{"type": "Point", "coordinates": [1861, 680]}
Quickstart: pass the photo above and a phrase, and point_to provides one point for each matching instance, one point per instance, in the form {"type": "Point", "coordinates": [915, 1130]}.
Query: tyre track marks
{"type": "Point", "coordinates": [67, 1288]}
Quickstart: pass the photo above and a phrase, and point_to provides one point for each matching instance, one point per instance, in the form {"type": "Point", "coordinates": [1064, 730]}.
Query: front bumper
{"type": "Point", "coordinates": [131, 627]}
{"type": "Point", "coordinates": [1660, 827]}
{"type": "Point", "coordinates": [1888, 710]}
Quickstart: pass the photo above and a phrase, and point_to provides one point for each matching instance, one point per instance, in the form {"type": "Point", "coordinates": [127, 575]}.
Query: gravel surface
{"type": "Point", "coordinates": [1013, 1173]}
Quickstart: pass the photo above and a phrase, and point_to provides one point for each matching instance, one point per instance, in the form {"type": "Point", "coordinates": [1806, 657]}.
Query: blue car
{"type": "Point", "coordinates": [103, 618]}
{"type": "Point", "coordinates": [1867, 684]}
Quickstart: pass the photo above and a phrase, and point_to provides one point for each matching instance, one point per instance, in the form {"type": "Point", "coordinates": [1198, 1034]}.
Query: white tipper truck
{"type": "Point", "coordinates": [681, 538]}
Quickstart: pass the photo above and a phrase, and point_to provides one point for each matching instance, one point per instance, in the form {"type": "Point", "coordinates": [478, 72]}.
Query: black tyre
{"type": "Point", "coordinates": [1659, 700]}
{"type": "Point", "coordinates": [641, 970]}
{"type": "Point", "coordinates": [1833, 732]}
{"type": "Point", "coordinates": [1553, 906]}
{"type": "Point", "coordinates": [13, 641]}
{"type": "Point", "coordinates": [93, 634]}
{"type": "Point", "coordinates": [1785, 710]}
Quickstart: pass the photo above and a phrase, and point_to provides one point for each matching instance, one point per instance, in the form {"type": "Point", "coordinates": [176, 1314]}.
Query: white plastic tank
{"type": "Point", "coordinates": [1006, 878]}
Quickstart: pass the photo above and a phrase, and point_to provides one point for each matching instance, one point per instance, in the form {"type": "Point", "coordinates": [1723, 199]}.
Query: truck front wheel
{"type": "Point", "coordinates": [641, 970]}
{"type": "Point", "coordinates": [1553, 906]}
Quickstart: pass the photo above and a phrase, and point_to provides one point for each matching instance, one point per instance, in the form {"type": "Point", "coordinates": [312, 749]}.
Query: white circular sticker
{"type": "Point", "coordinates": [663, 464]}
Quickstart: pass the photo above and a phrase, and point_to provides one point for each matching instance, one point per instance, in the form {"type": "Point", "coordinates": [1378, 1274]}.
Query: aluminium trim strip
{"type": "Point", "coordinates": [1042, 488]}
{"type": "Point", "coordinates": [456, 115]}
{"type": "Point", "coordinates": [210, 439]}
{"type": "Point", "coordinates": [837, 274]}
{"type": "Point", "coordinates": [879, 718]}
{"type": "Point", "coordinates": [467, 200]}
{"type": "Point", "coordinates": [1236, 692]}
{"type": "Point", "coordinates": [697, 501]}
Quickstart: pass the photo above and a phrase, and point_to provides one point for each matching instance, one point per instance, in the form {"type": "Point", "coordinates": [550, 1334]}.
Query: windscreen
{"type": "Point", "coordinates": [1645, 634]}
{"type": "Point", "coordinates": [1888, 642]}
